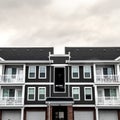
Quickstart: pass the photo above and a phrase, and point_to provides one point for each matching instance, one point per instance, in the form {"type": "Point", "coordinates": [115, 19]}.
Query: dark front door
{"type": "Point", "coordinates": [59, 113]}
{"type": "Point", "coordinates": [59, 80]}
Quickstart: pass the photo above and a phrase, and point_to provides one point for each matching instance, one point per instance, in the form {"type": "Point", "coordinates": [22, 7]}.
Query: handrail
{"type": "Point", "coordinates": [11, 78]}
{"type": "Point", "coordinates": [6, 101]}
{"type": "Point", "coordinates": [108, 100]}
{"type": "Point", "coordinates": [107, 78]}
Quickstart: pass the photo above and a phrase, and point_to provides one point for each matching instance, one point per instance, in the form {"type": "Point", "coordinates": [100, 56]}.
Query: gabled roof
{"type": "Point", "coordinates": [28, 53]}
{"type": "Point", "coordinates": [93, 53]}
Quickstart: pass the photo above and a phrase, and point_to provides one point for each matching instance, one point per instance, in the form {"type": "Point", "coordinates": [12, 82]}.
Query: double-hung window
{"type": "Point", "coordinates": [42, 72]}
{"type": "Point", "coordinates": [75, 72]}
{"type": "Point", "coordinates": [110, 93]}
{"type": "Point", "coordinates": [87, 71]}
{"type": "Point", "coordinates": [32, 72]}
{"type": "Point", "coordinates": [76, 93]}
{"type": "Point", "coordinates": [41, 93]}
{"type": "Point", "coordinates": [88, 93]}
{"type": "Point", "coordinates": [31, 94]}
{"type": "Point", "coordinates": [107, 71]}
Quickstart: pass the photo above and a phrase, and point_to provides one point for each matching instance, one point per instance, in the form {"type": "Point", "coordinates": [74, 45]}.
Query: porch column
{"type": "Point", "coordinates": [96, 95]}
{"type": "Point", "coordinates": [23, 94]}
{"type": "Point", "coordinates": [70, 112]}
{"type": "Point", "coordinates": [49, 112]}
{"type": "Point", "coordinates": [96, 110]}
{"type": "Point", "coordinates": [22, 113]}
{"type": "Point", "coordinates": [118, 72]}
{"type": "Point", "coordinates": [94, 72]}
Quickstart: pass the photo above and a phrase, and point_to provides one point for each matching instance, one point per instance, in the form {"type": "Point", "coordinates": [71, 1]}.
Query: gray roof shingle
{"type": "Point", "coordinates": [28, 53]}
{"type": "Point", "coordinates": [93, 53]}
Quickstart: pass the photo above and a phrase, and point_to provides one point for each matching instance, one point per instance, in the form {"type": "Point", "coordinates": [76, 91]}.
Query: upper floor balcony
{"type": "Point", "coordinates": [107, 74]}
{"type": "Point", "coordinates": [11, 101]}
{"type": "Point", "coordinates": [111, 101]}
{"type": "Point", "coordinates": [17, 78]}
{"type": "Point", "coordinates": [107, 79]}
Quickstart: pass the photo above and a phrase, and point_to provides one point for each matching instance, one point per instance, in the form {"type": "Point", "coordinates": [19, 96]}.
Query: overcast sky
{"type": "Point", "coordinates": [59, 23]}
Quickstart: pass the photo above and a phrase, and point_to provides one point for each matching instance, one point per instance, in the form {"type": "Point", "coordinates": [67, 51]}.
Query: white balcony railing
{"type": "Point", "coordinates": [11, 78]}
{"type": "Point", "coordinates": [108, 101]}
{"type": "Point", "coordinates": [107, 79]}
{"type": "Point", "coordinates": [11, 101]}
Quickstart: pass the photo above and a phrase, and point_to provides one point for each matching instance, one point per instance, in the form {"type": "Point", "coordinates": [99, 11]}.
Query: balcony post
{"type": "Point", "coordinates": [94, 72]}
{"type": "Point", "coordinates": [96, 110]}
{"type": "Point", "coordinates": [96, 96]}
{"type": "Point", "coordinates": [24, 69]}
{"type": "Point", "coordinates": [22, 113]}
{"type": "Point", "coordinates": [23, 94]}
{"type": "Point", "coordinates": [118, 71]}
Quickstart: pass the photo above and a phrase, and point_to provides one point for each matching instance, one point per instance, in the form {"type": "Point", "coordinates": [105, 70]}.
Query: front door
{"type": "Point", "coordinates": [59, 113]}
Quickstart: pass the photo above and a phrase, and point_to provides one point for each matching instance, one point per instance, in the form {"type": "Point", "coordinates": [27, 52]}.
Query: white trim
{"type": "Point", "coordinates": [59, 55]}
{"type": "Point", "coordinates": [78, 93]}
{"type": "Point", "coordinates": [45, 72]}
{"type": "Point", "coordinates": [59, 65]}
{"type": "Point", "coordinates": [39, 93]}
{"type": "Point", "coordinates": [78, 71]}
{"type": "Point", "coordinates": [84, 105]}
{"type": "Point", "coordinates": [29, 72]}
{"type": "Point", "coordinates": [39, 83]}
{"type": "Point", "coordinates": [35, 105]}
{"type": "Point", "coordinates": [92, 61]}
{"type": "Point", "coordinates": [79, 83]}
{"type": "Point", "coordinates": [27, 61]}
{"type": "Point", "coordinates": [85, 71]}
{"type": "Point", "coordinates": [28, 94]}
{"type": "Point", "coordinates": [1, 59]}
{"type": "Point", "coordinates": [118, 58]}
{"type": "Point", "coordinates": [85, 94]}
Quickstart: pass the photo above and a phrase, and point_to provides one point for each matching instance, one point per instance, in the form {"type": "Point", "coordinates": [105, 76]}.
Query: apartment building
{"type": "Point", "coordinates": [82, 84]}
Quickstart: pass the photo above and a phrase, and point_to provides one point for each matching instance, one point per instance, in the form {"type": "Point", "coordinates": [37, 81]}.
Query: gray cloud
{"type": "Point", "coordinates": [48, 23]}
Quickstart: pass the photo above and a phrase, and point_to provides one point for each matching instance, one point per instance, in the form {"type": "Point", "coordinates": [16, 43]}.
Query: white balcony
{"type": "Point", "coordinates": [11, 78]}
{"type": "Point", "coordinates": [108, 79]}
{"type": "Point", "coordinates": [11, 101]}
{"type": "Point", "coordinates": [108, 101]}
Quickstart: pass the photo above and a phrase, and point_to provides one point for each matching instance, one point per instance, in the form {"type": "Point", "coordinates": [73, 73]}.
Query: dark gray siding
{"type": "Point", "coordinates": [59, 94]}
{"type": "Point", "coordinates": [36, 94]}
{"type": "Point", "coordinates": [81, 78]}
{"type": "Point", "coordinates": [37, 79]}
{"type": "Point", "coordinates": [82, 101]}
{"type": "Point", "coordinates": [59, 60]}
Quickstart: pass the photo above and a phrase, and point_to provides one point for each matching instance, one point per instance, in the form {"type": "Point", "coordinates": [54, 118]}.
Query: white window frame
{"type": "Point", "coordinates": [78, 93]}
{"type": "Point", "coordinates": [85, 94]}
{"type": "Point", "coordinates": [29, 72]}
{"type": "Point", "coordinates": [110, 91]}
{"type": "Point", "coordinates": [72, 67]}
{"type": "Point", "coordinates": [28, 94]}
{"type": "Point", "coordinates": [45, 73]}
{"type": "Point", "coordinates": [39, 93]}
{"type": "Point", "coordinates": [85, 71]}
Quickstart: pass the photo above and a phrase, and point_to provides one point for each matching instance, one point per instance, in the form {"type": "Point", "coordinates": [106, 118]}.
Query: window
{"type": "Point", "coordinates": [32, 72]}
{"type": "Point", "coordinates": [88, 93]}
{"type": "Point", "coordinates": [87, 71]}
{"type": "Point", "coordinates": [9, 93]}
{"type": "Point", "coordinates": [75, 72]}
{"type": "Point", "coordinates": [31, 93]}
{"type": "Point", "coordinates": [110, 93]}
{"type": "Point", "coordinates": [41, 93]}
{"type": "Point", "coordinates": [42, 72]}
{"type": "Point", "coordinates": [107, 71]}
{"type": "Point", "coordinates": [76, 93]}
